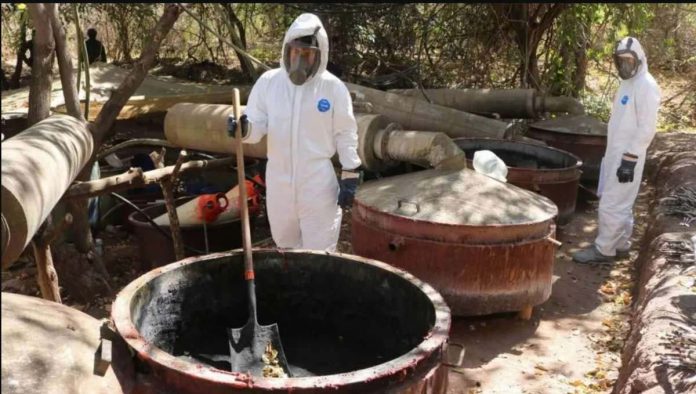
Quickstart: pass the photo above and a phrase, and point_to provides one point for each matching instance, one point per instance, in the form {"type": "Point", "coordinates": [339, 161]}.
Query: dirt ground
{"type": "Point", "coordinates": [572, 343]}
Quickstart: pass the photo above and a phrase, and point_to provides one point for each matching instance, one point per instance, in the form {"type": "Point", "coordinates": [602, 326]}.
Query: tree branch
{"type": "Point", "coordinates": [167, 185]}
{"type": "Point", "coordinates": [135, 177]}
{"type": "Point", "coordinates": [120, 96]}
{"type": "Point", "coordinates": [135, 142]}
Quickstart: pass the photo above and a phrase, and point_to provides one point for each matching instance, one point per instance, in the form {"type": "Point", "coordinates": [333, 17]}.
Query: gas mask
{"type": "Point", "coordinates": [626, 60]}
{"type": "Point", "coordinates": [301, 58]}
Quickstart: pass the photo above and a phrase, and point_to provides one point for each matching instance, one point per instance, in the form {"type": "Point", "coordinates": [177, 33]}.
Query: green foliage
{"type": "Point", "coordinates": [597, 105]}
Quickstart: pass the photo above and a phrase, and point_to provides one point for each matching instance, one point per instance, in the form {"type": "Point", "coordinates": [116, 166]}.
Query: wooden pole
{"type": "Point", "coordinates": [167, 185]}
{"type": "Point", "coordinates": [46, 274]}
{"type": "Point", "coordinates": [246, 233]}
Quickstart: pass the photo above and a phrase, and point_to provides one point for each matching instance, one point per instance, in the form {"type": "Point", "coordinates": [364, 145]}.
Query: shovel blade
{"type": "Point", "coordinates": [248, 344]}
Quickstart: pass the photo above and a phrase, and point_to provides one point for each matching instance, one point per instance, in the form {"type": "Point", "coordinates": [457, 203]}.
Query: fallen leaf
{"type": "Point", "coordinates": [608, 288]}
{"type": "Point", "coordinates": [577, 383]}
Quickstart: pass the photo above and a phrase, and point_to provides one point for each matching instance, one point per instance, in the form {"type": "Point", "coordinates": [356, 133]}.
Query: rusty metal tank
{"type": "Point", "coordinates": [156, 250]}
{"type": "Point", "coordinates": [50, 348]}
{"type": "Point", "coordinates": [485, 245]}
{"type": "Point", "coordinates": [581, 135]}
{"type": "Point", "coordinates": [348, 325]}
{"type": "Point", "coordinates": [551, 172]}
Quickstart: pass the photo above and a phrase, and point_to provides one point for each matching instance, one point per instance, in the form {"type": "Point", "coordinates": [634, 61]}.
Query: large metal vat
{"type": "Point", "coordinates": [581, 135]}
{"type": "Point", "coordinates": [348, 325]}
{"type": "Point", "coordinates": [550, 172]}
{"type": "Point", "coordinates": [50, 348]}
{"type": "Point", "coordinates": [485, 245]}
{"type": "Point", "coordinates": [156, 250]}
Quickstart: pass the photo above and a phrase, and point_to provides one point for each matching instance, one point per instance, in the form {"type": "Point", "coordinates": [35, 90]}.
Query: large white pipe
{"type": "Point", "coordinates": [38, 165]}
{"type": "Point", "coordinates": [508, 103]}
{"type": "Point", "coordinates": [204, 127]}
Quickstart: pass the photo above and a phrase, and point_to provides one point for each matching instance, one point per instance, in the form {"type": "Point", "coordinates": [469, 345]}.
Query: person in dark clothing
{"type": "Point", "coordinates": [95, 49]}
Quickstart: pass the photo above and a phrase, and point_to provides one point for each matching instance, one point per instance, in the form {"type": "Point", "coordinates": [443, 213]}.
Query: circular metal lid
{"type": "Point", "coordinates": [50, 348]}
{"type": "Point", "coordinates": [576, 124]}
{"type": "Point", "coordinates": [460, 198]}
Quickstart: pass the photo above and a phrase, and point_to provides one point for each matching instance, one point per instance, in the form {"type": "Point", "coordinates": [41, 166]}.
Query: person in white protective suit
{"type": "Point", "coordinates": [307, 114]}
{"type": "Point", "coordinates": [632, 126]}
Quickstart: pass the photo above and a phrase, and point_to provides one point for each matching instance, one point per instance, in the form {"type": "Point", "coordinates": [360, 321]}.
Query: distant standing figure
{"type": "Point", "coordinates": [95, 49]}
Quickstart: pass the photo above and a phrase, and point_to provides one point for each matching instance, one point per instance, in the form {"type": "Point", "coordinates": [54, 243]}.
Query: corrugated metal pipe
{"type": "Point", "coordinates": [507, 103]}
{"type": "Point", "coordinates": [38, 165]}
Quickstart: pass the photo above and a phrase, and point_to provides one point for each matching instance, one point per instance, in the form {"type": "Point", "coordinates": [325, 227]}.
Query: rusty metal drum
{"type": "Point", "coordinates": [485, 245]}
{"type": "Point", "coordinates": [48, 347]}
{"type": "Point", "coordinates": [581, 135]}
{"type": "Point", "coordinates": [551, 172]}
{"type": "Point", "coordinates": [348, 325]}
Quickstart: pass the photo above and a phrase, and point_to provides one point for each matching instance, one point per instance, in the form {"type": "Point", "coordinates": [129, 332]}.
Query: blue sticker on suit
{"type": "Point", "coordinates": [323, 105]}
{"type": "Point", "coordinates": [624, 100]}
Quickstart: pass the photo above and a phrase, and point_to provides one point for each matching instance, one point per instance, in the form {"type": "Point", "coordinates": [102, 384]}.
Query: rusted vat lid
{"type": "Point", "coordinates": [50, 348]}
{"type": "Point", "coordinates": [576, 124]}
{"type": "Point", "coordinates": [454, 206]}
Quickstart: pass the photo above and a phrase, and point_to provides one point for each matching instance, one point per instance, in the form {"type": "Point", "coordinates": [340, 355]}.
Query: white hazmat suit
{"type": "Point", "coordinates": [631, 128]}
{"type": "Point", "coordinates": [306, 125]}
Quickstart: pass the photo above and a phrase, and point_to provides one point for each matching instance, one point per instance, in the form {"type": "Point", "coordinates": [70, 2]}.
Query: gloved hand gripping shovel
{"type": "Point", "coordinates": [254, 348]}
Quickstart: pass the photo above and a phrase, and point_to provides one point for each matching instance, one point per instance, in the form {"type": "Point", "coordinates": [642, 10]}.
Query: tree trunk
{"type": "Point", "coordinates": [67, 78]}
{"type": "Point", "coordinates": [123, 37]}
{"type": "Point", "coordinates": [42, 62]}
{"type": "Point", "coordinates": [238, 35]}
{"type": "Point", "coordinates": [17, 75]}
{"type": "Point", "coordinates": [529, 28]}
{"type": "Point", "coordinates": [580, 72]}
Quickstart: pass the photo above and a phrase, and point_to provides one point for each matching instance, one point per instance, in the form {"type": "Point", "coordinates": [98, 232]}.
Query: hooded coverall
{"type": "Point", "coordinates": [631, 128]}
{"type": "Point", "coordinates": [305, 126]}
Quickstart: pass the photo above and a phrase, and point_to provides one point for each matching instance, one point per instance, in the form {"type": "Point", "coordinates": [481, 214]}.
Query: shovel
{"type": "Point", "coordinates": [254, 348]}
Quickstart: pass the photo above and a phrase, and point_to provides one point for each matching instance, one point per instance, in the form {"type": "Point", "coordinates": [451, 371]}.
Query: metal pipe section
{"type": "Point", "coordinates": [508, 103]}
{"type": "Point", "coordinates": [38, 165]}
{"type": "Point", "coordinates": [427, 149]}
{"type": "Point", "coordinates": [380, 143]}
{"type": "Point", "coordinates": [204, 127]}
{"type": "Point", "coordinates": [562, 104]}
{"type": "Point", "coordinates": [413, 114]}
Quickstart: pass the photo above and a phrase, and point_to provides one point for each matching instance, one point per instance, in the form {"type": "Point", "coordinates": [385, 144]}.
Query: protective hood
{"type": "Point", "coordinates": [631, 44]}
{"type": "Point", "coordinates": [304, 25]}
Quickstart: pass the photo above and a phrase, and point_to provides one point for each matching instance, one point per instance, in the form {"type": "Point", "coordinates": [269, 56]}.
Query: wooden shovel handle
{"type": "Point", "coordinates": [243, 206]}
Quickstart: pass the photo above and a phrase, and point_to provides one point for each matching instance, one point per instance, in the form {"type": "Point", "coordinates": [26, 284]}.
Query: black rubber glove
{"type": "Point", "coordinates": [232, 125]}
{"type": "Point", "coordinates": [348, 186]}
{"type": "Point", "coordinates": [626, 170]}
